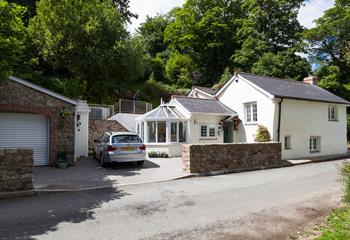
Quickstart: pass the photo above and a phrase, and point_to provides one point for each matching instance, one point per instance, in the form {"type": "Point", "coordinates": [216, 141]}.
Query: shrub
{"type": "Point", "coordinates": [154, 154]}
{"type": "Point", "coordinates": [345, 177]}
{"type": "Point", "coordinates": [263, 134]}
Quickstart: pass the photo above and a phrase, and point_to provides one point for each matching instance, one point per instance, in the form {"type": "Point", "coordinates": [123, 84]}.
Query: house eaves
{"type": "Point", "coordinates": [43, 90]}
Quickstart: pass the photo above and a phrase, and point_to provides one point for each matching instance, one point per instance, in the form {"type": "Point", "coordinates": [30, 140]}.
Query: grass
{"type": "Point", "coordinates": [337, 226]}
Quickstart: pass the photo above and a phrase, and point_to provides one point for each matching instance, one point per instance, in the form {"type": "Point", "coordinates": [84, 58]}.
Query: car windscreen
{"type": "Point", "coordinates": [126, 139]}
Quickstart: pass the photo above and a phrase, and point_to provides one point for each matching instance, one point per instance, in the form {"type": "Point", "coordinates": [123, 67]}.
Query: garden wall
{"type": "Point", "coordinates": [16, 170]}
{"type": "Point", "coordinates": [98, 127]}
{"type": "Point", "coordinates": [231, 157]}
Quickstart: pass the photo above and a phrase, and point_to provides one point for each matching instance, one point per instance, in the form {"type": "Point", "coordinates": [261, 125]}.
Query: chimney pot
{"type": "Point", "coordinates": [312, 80]}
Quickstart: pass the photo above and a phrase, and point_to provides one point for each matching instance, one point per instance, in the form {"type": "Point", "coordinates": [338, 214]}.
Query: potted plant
{"type": "Point", "coordinates": [62, 160]}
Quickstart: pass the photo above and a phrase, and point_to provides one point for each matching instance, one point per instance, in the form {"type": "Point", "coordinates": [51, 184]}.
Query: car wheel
{"type": "Point", "coordinates": [140, 163]}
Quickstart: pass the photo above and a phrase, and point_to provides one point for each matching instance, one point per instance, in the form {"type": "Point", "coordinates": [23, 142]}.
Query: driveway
{"type": "Point", "coordinates": [89, 174]}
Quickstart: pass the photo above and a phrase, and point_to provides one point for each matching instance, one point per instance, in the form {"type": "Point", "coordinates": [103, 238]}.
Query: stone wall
{"type": "Point", "coordinates": [17, 98]}
{"type": "Point", "coordinates": [16, 170]}
{"type": "Point", "coordinates": [98, 127]}
{"type": "Point", "coordinates": [231, 157]}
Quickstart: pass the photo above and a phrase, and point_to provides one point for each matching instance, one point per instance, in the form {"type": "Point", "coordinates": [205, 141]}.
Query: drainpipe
{"type": "Point", "coordinates": [279, 120]}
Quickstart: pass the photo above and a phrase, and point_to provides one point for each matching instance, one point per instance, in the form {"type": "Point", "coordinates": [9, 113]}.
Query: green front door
{"type": "Point", "coordinates": [228, 132]}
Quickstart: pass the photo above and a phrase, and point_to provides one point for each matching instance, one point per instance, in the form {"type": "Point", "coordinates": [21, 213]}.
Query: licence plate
{"type": "Point", "coordinates": [128, 148]}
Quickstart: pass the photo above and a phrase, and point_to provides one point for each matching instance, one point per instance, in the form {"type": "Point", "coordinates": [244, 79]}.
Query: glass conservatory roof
{"type": "Point", "coordinates": [163, 112]}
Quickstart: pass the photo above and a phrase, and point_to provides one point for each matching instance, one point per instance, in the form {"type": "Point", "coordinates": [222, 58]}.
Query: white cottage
{"type": "Point", "coordinates": [308, 120]}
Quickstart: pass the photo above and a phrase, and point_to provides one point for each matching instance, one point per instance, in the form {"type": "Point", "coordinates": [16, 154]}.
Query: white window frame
{"type": "Point", "coordinates": [177, 132]}
{"type": "Point", "coordinates": [251, 116]}
{"type": "Point", "coordinates": [208, 128]}
{"type": "Point", "coordinates": [332, 113]}
{"type": "Point", "coordinates": [314, 144]}
{"type": "Point", "coordinates": [287, 142]}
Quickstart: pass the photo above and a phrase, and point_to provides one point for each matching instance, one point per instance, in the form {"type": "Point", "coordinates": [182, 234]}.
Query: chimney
{"type": "Point", "coordinates": [312, 80]}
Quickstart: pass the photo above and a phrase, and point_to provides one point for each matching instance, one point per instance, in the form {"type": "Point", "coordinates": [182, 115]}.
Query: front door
{"type": "Point", "coordinates": [228, 132]}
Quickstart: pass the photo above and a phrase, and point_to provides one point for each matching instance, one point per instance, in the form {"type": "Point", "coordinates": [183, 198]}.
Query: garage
{"type": "Point", "coordinates": [28, 131]}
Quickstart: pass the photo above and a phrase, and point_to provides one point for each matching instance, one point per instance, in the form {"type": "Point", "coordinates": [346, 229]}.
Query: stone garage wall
{"type": "Point", "coordinates": [98, 127]}
{"type": "Point", "coordinates": [16, 170]}
{"type": "Point", "coordinates": [17, 98]}
{"type": "Point", "coordinates": [231, 157]}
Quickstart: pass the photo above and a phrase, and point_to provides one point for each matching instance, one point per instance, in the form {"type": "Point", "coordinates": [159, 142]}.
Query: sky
{"type": "Point", "coordinates": [312, 10]}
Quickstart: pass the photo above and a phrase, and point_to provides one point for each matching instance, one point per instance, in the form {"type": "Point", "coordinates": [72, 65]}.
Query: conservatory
{"type": "Point", "coordinates": [163, 129]}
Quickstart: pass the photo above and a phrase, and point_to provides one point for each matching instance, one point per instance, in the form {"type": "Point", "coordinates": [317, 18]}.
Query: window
{"type": "Point", "coordinates": [161, 132]}
{"type": "Point", "coordinates": [315, 144]}
{"type": "Point", "coordinates": [208, 131]}
{"type": "Point", "coordinates": [251, 111]}
{"type": "Point", "coordinates": [173, 132]}
{"type": "Point", "coordinates": [142, 131]}
{"type": "Point", "coordinates": [211, 131]}
{"type": "Point", "coordinates": [182, 132]}
{"type": "Point", "coordinates": [126, 139]}
{"type": "Point", "coordinates": [204, 131]}
{"type": "Point", "coordinates": [151, 132]}
{"type": "Point", "coordinates": [332, 113]}
{"type": "Point", "coordinates": [287, 142]}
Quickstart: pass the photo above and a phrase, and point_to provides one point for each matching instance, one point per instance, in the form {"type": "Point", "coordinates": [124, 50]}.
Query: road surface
{"type": "Point", "coordinates": [269, 204]}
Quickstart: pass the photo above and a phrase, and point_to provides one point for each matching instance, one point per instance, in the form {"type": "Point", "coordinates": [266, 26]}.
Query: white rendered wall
{"type": "Point", "coordinates": [82, 135]}
{"type": "Point", "coordinates": [302, 119]}
{"type": "Point", "coordinates": [195, 129]}
{"type": "Point", "coordinates": [239, 93]}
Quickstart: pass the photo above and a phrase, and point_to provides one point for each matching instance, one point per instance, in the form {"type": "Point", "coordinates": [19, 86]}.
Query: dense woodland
{"type": "Point", "coordinates": [82, 49]}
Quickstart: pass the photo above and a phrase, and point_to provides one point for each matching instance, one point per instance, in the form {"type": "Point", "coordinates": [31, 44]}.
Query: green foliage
{"type": "Point", "coordinates": [283, 64]}
{"type": "Point", "coordinates": [262, 134]}
{"type": "Point", "coordinates": [336, 226]}
{"type": "Point", "coordinates": [178, 70]}
{"type": "Point", "coordinates": [267, 26]}
{"type": "Point", "coordinates": [87, 41]}
{"type": "Point", "coordinates": [329, 47]}
{"type": "Point", "coordinates": [345, 175]}
{"type": "Point", "coordinates": [12, 37]}
{"type": "Point", "coordinates": [152, 30]}
{"type": "Point", "coordinates": [154, 154]}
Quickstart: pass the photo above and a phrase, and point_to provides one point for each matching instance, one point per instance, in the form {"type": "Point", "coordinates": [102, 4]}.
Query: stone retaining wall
{"type": "Point", "coordinates": [16, 170]}
{"type": "Point", "coordinates": [98, 127]}
{"type": "Point", "coordinates": [232, 157]}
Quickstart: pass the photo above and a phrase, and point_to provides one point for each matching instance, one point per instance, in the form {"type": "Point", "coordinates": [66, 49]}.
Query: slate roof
{"type": "Point", "coordinates": [286, 88]}
{"type": "Point", "coordinates": [200, 105]}
{"type": "Point", "coordinates": [206, 90]}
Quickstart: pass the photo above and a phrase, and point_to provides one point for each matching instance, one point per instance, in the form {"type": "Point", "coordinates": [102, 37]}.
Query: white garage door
{"type": "Point", "coordinates": [28, 131]}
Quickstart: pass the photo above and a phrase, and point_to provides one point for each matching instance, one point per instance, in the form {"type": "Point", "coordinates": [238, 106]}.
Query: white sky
{"type": "Point", "coordinates": [312, 10]}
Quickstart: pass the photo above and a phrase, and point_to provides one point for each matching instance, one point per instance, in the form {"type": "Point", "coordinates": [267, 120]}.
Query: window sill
{"type": "Point", "coordinates": [252, 123]}
{"type": "Point", "coordinates": [315, 151]}
{"type": "Point", "coordinates": [288, 149]}
{"type": "Point", "coordinates": [333, 120]}
{"type": "Point", "coordinates": [208, 138]}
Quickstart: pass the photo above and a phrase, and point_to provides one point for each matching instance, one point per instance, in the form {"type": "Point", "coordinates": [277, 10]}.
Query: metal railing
{"type": "Point", "coordinates": [101, 111]}
{"type": "Point", "coordinates": [133, 107]}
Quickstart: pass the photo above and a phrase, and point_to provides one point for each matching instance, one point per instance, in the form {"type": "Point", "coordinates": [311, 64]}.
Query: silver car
{"type": "Point", "coordinates": [119, 147]}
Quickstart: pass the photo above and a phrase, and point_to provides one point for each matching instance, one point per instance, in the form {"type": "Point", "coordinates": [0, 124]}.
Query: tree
{"type": "Point", "coordinates": [179, 68]}
{"type": "Point", "coordinates": [267, 26]}
{"type": "Point", "coordinates": [284, 64]}
{"type": "Point", "coordinates": [30, 5]}
{"type": "Point", "coordinates": [12, 37]}
{"type": "Point", "coordinates": [123, 7]}
{"type": "Point", "coordinates": [204, 30]}
{"type": "Point", "coordinates": [329, 41]}
{"type": "Point", "coordinates": [86, 40]}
